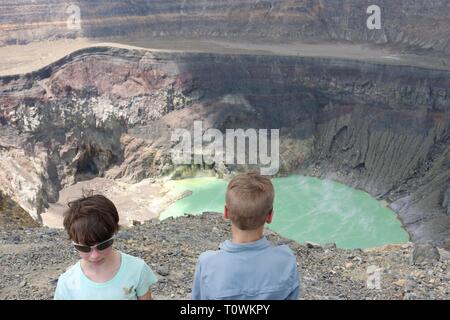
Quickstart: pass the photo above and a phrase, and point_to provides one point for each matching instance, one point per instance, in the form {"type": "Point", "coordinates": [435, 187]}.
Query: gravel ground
{"type": "Point", "coordinates": [31, 260]}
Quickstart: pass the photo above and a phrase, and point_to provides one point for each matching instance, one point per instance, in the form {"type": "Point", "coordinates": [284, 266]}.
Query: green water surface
{"type": "Point", "coordinates": [306, 209]}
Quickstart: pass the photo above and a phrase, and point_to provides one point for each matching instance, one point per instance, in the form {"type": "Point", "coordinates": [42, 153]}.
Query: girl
{"type": "Point", "coordinates": [102, 272]}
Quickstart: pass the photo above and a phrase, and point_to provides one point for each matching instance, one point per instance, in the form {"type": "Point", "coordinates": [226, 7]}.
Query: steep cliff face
{"type": "Point", "coordinates": [64, 123]}
{"type": "Point", "coordinates": [111, 112]}
{"type": "Point", "coordinates": [419, 26]}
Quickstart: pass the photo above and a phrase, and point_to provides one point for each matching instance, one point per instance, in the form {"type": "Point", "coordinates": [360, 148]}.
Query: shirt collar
{"type": "Point", "coordinates": [230, 246]}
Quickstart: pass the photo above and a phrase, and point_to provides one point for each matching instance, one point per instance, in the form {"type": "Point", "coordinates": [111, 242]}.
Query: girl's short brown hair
{"type": "Point", "coordinates": [91, 219]}
{"type": "Point", "coordinates": [249, 200]}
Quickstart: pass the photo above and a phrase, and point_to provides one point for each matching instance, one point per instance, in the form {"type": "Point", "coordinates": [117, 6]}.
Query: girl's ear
{"type": "Point", "coordinates": [269, 217]}
{"type": "Point", "coordinates": [225, 213]}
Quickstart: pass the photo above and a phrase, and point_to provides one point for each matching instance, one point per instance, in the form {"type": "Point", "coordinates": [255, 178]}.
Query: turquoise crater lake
{"type": "Point", "coordinates": [306, 209]}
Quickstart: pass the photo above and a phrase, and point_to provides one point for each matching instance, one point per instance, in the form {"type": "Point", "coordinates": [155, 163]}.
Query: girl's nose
{"type": "Point", "coordinates": [94, 253]}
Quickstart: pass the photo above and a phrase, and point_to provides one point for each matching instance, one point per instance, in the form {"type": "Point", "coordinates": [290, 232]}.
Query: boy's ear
{"type": "Point", "coordinates": [225, 213]}
{"type": "Point", "coordinates": [269, 217]}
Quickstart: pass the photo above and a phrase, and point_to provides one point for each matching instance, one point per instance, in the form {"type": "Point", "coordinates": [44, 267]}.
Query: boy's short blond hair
{"type": "Point", "coordinates": [249, 200]}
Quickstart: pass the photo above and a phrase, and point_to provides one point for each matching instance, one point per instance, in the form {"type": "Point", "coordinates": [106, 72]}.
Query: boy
{"type": "Point", "coordinates": [103, 272]}
{"type": "Point", "coordinates": [247, 267]}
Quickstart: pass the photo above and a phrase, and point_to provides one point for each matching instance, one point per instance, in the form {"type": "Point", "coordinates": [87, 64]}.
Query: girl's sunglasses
{"type": "Point", "coordinates": [99, 246]}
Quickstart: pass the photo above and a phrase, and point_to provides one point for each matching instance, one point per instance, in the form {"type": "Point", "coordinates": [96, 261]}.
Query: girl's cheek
{"type": "Point", "coordinates": [84, 256]}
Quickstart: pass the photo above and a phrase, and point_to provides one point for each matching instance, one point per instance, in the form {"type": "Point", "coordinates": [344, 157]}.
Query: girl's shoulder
{"type": "Point", "coordinates": [132, 261]}
{"type": "Point", "coordinates": [72, 272]}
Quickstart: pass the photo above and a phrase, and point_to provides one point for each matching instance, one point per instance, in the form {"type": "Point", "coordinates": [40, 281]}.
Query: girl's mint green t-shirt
{"type": "Point", "coordinates": [133, 280]}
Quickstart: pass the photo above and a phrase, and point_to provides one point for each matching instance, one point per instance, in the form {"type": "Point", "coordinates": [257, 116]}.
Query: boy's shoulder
{"type": "Point", "coordinates": [285, 249]}
{"type": "Point", "coordinates": [282, 253]}
{"type": "Point", "coordinates": [279, 251]}
{"type": "Point", "coordinates": [208, 255]}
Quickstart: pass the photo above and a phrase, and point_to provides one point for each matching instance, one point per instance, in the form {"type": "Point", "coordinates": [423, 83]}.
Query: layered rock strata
{"type": "Point", "coordinates": [111, 112]}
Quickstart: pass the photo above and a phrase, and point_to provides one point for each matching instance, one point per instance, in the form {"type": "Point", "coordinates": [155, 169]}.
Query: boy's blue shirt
{"type": "Point", "coordinates": [250, 271]}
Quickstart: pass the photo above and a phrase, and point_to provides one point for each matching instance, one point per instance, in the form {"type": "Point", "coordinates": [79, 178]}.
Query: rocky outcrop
{"type": "Point", "coordinates": [12, 216]}
{"type": "Point", "coordinates": [111, 112]}
{"type": "Point", "coordinates": [406, 25]}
